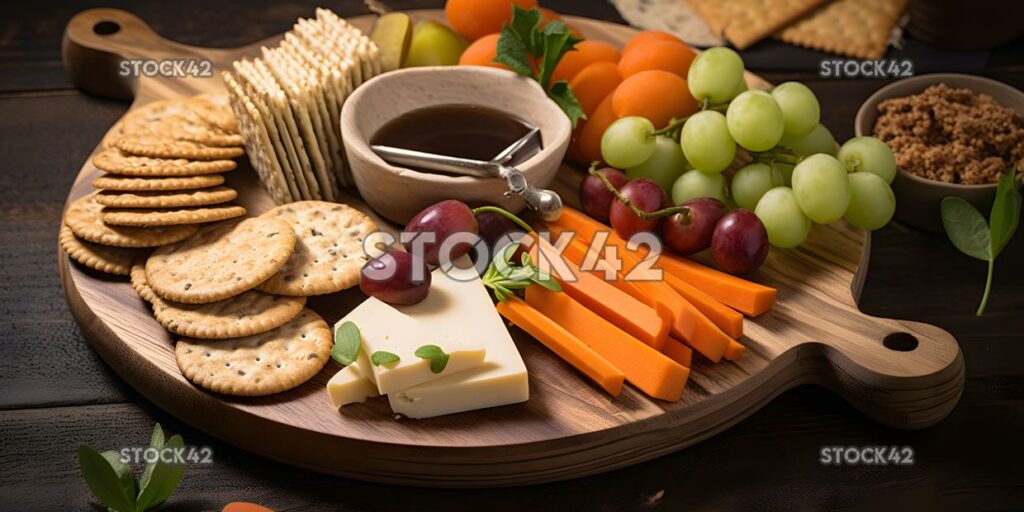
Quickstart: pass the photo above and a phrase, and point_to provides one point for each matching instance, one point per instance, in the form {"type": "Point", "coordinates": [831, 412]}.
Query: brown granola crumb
{"type": "Point", "coordinates": [952, 135]}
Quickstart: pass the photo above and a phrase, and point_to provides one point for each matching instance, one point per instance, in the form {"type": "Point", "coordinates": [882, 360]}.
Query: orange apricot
{"type": "Point", "coordinates": [474, 19]}
{"type": "Point", "coordinates": [590, 137]}
{"type": "Point", "coordinates": [586, 53]}
{"type": "Point", "coordinates": [594, 83]}
{"type": "Point", "coordinates": [482, 52]}
{"type": "Point", "coordinates": [239, 506]}
{"type": "Point", "coordinates": [657, 95]}
{"type": "Point", "coordinates": [664, 55]}
{"type": "Point", "coordinates": [650, 35]}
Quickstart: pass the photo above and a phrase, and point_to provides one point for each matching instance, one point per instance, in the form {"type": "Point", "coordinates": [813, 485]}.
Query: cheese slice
{"type": "Point", "coordinates": [353, 384]}
{"type": "Point", "coordinates": [459, 305]}
{"type": "Point", "coordinates": [384, 328]}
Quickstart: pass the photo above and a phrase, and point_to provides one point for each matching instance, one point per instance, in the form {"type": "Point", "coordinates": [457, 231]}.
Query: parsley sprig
{"type": "Point", "coordinates": [505, 279]}
{"type": "Point", "coordinates": [523, 42]}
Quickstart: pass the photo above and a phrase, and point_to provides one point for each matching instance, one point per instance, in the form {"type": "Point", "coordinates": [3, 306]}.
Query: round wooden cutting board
{"type": "Point", "coordinates": [904, 374]}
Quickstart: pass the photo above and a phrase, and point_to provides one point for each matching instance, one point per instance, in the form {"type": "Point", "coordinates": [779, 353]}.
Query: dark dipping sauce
{"type": "Point", "coordinates": [463, 131]}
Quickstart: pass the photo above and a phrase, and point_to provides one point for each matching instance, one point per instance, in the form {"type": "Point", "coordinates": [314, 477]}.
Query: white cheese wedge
{"type": "Point", "coordinates": [458, 304]}
{"type": "Point", "coordinates": [353, 384]}
{"type": "Point", "coordinates": [384, 328]}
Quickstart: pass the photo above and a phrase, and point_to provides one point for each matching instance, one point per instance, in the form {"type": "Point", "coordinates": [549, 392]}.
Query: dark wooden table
{"type": "Point", "coordinates": [56, 393]}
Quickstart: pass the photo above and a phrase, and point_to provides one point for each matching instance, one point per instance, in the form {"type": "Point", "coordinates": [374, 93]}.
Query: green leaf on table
{"type": "Point", "coordinates": [966, 228]}
{"type": "Point", "coordinates": [103, 480]}
{"type": "Point", "coordinates": [438, 358]}
{"type": "Point", "coordinates": [1005, 214]}
{"type": "Point", "coordinates": [383, 357]}
{"type": "Point", "coordinates": [562, 95]}
{"type": "Point", "coordinates": [156, 441]}
{"type": "Point", "coordinates": [347, 342]}
{"type": "Point", "coordinates": [125, 472]}
{"type": "Point", "coordinates": [165, 476]}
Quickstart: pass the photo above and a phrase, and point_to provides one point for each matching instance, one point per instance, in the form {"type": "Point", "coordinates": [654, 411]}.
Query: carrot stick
{"type": "Point", "coordinates": [646, 368]}
{"type": "Point", "coordinates": [727, 319]}
{"type": "Point", "coordinates": [688, 323]}
{"type": "Point", "coordinates": [618, 307]}
{"type": "Point", "coordinates": [734, 351]}
{"type": "Point", "coordinates": [678, 352]}
{"type": "Point", "coordinates": [563, 343]}
{"type": "Point", "coordinates": [744, 296]}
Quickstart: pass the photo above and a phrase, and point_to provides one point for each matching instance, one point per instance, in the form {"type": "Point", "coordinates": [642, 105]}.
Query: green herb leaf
{"type": "Point", "coordinates": [513, 53]}
{"type": "Point", "coordinates": [383, 357]}
{"type": "Point", "coordinates": [562, 95]}
{"type": "Point", "coordinates": [103, 480]}
{"type": "Point", "coordinates": [438, 359]}
{"type": "Point", "coordinates": [156, 441]}
{"type": "Point", "coordinates": [347, 342]}
{"type": "Point", "coordinates": [557, 40]}
{"type": "Point", "coordinates": [1005, 214]}
{"type": "Point", "coordinates": [125, 472]}
{"type": "Point", "coordinates": [547, 282]}
{"type": "Point", "coordinates": [165, 476]}
{"type": "Point", "coordinates": [966, 228]}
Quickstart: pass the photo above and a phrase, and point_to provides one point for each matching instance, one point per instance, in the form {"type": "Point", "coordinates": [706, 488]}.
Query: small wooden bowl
{"type": "Point", "coordinates": [918, 200]}
{"type": "Point", "coordinates": [398, 193]}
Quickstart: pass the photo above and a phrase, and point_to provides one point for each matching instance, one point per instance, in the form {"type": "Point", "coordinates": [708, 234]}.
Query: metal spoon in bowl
{"type": "Point", "coordinates": [545, 202]}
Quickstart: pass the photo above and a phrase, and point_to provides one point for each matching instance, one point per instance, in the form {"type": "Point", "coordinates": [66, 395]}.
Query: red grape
{"type": "Point", "coordinates": [443, 220]}
{"type": "Point", "coordinates": [596, 197]}
{"type": "Point", "coordinates": [646, 195]}
{"type": "Point", "coordinates": [740, 242]}
{"type": "Point", "coordinates": [396, 278]}
{"type": "Point", "coordinates": [493, 226]}
{"type": "Point", "coordinates": [695, 236]}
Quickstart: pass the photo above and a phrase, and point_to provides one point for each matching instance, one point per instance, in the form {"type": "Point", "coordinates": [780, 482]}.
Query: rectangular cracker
{"type": "Point", "coordinates": [745, 22]}
{"type": "Point", "coordinates": [854, 28]}
{"type": "Point", "coordinates": [257, 142]}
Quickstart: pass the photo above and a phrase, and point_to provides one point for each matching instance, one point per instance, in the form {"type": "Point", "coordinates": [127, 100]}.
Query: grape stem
{"type": "Point", "coordinates": [504, 213]}
{"type": "Point", "coordinates": [778, 154]}
{"type": "Point", "coordinates": [676, 124]}
{"type": "Point", "coordinates": [657, 214]}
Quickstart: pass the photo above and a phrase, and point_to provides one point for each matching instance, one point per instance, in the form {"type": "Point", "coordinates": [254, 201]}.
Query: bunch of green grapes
{"type": "Point", "coordinates": [797, 176]}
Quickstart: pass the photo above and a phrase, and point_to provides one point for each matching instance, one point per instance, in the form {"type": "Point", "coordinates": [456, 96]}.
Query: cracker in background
{"type": "Point", "coordinates": [676, 17]}
{"type": "Point", "coordinates": [178, 118]}
{"type": "Point", "coordinates": [854, 28]}
{"type": "Point", "coordinates": [257, 145]}
{"type": "Point", "coordinates": [220, 261]}
{"type": "Point", "coordinates": [172, 199]}
{"type": "Point", "coordinates": [261, 364]}
{"type": "Point", "coordinates": [147, 184]}
{"type": "Point", "coordinates": [84, 218]}
{"type": "Point", "coordinates": [745, 22]}
{"type": "Point", "coordinates": [112, 260]}
{"type": "Point", "coordinates": [146, 217]}
{"type": "Point", "coordinates": [115, 161]}
{"type": "Point", "coordinates": [329, 248]}
{"type": "Point", "coordinates": [167, 147]}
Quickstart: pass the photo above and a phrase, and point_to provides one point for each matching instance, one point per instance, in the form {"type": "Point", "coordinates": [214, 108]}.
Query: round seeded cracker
{"type": "Point", "coordinates": [146, 184]}
{"type": "Point", "coordinates": [262, 364]}
{"type": "Point", "coordinates": [115, 161]}
{"type": "Point", "coordinates": [112, 260]}
{"type": "Point", "coordinates": [220, 261]}
{"type": "Point", "coordinates": [170, 217]}
{"type": "Point", "coordinates": [170, 199]}
{"type": "Point", "coordinates": [84, 218]}
{"type": "Point", "coordinates": [167, 147]}
{"type": "Point", "coordinates": [139, 284]}
{"type": "Point", "coordinates": [329, 252]}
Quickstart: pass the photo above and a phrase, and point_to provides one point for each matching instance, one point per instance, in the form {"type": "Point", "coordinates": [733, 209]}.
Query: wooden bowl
{"type": "Point", "coordinates": [398, 193]}
{"type": "Point", "coordinates": [918, 199]}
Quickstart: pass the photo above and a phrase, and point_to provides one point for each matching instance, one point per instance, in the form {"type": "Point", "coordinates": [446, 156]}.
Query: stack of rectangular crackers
{"type": "Point", "coordinates": [288, 102]}
{"type": "Point", "coordinates": [163, 176]}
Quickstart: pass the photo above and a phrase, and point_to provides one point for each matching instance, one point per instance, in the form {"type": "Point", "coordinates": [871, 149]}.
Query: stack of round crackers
{"type": "Point", "coordinates": [163, 176]}
{"type": "Point", "coordinates": [235, 292]}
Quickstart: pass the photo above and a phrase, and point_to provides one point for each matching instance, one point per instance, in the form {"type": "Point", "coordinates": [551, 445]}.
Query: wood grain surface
{"type": "Point", "coordinates": [568, 429]}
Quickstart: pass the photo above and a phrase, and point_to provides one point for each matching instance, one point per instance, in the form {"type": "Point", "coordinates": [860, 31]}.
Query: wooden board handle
{"type": "Point", "coordinates": [97, 41]}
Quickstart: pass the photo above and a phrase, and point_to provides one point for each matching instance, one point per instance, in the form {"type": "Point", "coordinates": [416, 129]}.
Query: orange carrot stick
{"type": "Point", "coordinates": [646, 368]}
{"type": "Point", "coordinates": [620, 308]}
{"type": "Point", "coordinates": [563, 343]}
{"type": "Point", "coordinates": [727, 319]}
{"type": "Point", "coordinates": [735, 351]}
{"type": "Point", "coordinates": [678, 352]}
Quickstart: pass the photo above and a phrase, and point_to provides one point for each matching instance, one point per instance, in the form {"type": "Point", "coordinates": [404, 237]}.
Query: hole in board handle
{"type": "Point", "coordinates": [900, 342]}
{"type": "Point", "coordinates": [105, 28]}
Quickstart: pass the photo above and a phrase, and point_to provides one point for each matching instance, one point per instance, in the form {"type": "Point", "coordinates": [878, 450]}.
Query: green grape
{"type": "Point", "coordinates": [628, 142]}
{"type": "Point", "coordinates": [755, 121]}
{"type": "Point", "coordinates": [819, 140]}
{"type": "Point", "coordinates": [706, 142]}
{"type": "Point", "coordinates": [751, 182]}
{"type": "Point", "coordinates": [664, 166]}
{"type": "Point", "coordinates": [715, 75]}
{"type": "Point", "coordinates": [782, 217]}
{"type": "Point", "coordinates": [694, 184]}
{"type": "Point", "coordinates": [800, 109]}
{"type": "Point", "coordinates": [872, 202]}
{"type": "Point", "coordinates": [786, 171]}
{"type": "Point", "coordinates": [869, 154]}
{"type": "Point", "coordinates": [822, 188]}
